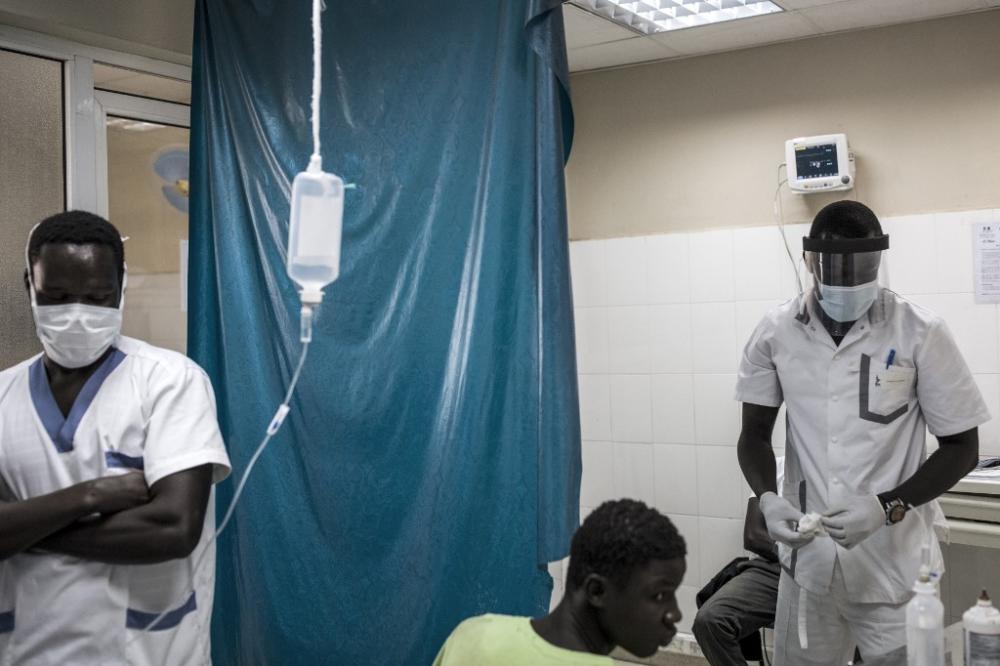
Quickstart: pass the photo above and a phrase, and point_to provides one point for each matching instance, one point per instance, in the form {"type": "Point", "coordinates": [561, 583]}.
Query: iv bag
{"type": "Point", "coordinates": [314, 232]}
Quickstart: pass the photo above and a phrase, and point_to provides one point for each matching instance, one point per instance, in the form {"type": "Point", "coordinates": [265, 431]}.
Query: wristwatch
{"type": "Point", "coordinates": [895, 510]}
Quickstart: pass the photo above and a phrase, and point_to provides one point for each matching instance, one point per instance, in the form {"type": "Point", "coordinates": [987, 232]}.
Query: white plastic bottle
{"type": "Point", "coordinates": [314, 231]}
{"type": "Point", "coordinates": [925, 624]}
{"type": "Point", "coordinates": [982, 633]}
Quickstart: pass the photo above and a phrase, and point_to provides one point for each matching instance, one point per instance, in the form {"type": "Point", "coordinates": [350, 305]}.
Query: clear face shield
{"type": "Point", "coordinates": [847, 275]}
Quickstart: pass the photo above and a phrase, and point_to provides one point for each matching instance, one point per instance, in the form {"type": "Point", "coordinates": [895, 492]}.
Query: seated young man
{"type": "Point", "coordinates": [626, 563]}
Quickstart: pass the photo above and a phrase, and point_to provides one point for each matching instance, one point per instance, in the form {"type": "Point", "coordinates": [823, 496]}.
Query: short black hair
{"type": "Point", "coordinates": [845, 219]}
{"type": "Point", "coordinates": [619, 536]}
{"type": "Point", "coordinates": [77, 227]}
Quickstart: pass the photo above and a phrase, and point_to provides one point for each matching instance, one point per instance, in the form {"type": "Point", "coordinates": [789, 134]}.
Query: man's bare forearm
{"type": "Point", "coordinates": [166, 528]}
{"type": "Point", "coordinates": [142, 535]}
{"type": "Point", "coordinates": [956, 457]}
{"type": "Point", "coordinates": [24, 523]}
{"type": "Point", "coordinates": [754, 448]}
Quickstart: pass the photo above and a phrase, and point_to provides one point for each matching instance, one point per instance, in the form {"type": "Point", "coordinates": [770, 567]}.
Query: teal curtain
{"type": "Point", "coordinates": [431, 463]}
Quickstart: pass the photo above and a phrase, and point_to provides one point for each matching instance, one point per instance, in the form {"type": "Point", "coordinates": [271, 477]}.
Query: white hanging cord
{"type": "Point", "coordinates": [779, 216]}
{"type": "Point", "coordinates": [316, 160]}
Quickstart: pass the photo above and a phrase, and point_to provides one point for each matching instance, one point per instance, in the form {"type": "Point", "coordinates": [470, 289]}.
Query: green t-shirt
{"type": "Point", "coordinates": [505, 640]}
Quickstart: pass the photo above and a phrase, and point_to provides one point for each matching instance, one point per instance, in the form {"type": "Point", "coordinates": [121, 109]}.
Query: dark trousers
{"type": "Point", "coordinates": [738, 609]}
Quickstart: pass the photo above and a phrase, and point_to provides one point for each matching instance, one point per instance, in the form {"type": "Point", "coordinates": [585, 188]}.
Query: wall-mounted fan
{"type": "Point", "coordinates": [172, 166]}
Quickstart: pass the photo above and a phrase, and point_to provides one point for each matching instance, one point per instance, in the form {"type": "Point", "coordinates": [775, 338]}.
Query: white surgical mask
{"type": "Point", "coordinates": [847, 303]}
{"type": "Point", "coordinates": [76, 335]}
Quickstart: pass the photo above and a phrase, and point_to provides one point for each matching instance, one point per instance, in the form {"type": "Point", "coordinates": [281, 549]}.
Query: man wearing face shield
{"type": "Point", "coordinates": [109, 448]}
{"type": "Point", "coordinates": [862, 373]}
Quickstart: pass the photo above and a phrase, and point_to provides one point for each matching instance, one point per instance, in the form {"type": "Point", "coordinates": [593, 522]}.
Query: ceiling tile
{"type": "Point", "coordinates": [858, 14]}
{"type": "Point", "coordinates": [595, 42]}
{"type": "Point", "coordinates": [737, 34]}
{"type": "Point", "coordinates": [623, 52]}
{"type": "Point", "coordinates": [586, 29]}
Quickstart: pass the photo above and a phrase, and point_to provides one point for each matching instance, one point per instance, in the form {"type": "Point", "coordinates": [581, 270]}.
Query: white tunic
{"type": "Point", "coordinates": [145, 408]}
{"type": "Point", "coordinates": [856, 427]}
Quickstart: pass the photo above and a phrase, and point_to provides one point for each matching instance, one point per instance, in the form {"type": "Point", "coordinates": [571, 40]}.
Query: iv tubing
{"type": "Point", "coordinates": [272, 430]}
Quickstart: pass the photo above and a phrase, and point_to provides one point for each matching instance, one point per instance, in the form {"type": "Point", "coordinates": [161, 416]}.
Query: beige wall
{"type": "Point", "coordinates": [695, 143]}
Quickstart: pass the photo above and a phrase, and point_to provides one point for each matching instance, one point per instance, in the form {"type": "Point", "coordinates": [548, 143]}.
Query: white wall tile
{"type": "Point", "coordinates": [669, 268]}
{"type": "Point", "coordinates": [633, 467]}
{"type": "Point", "coordinates": [779, 434]}
{"type": "Point", "coordinates": [711, 266]}
{"type": "Point", "coordinates": [595, 407]}
{"type": "Point", "coordinates": [597, 484]}
{"type": "Point", "coordinates": [757, 263]}
{"type": "Point", "coordinates": [676, 478]}
{"type": "Point", "coordinates": [982, 215]}
{"type": "Point", "coordinates": [557, 572]}
{"type": "Point", "coordinates": [788, 285]}
{"type": "Point", "coordinates": [627, 273]}
{"type": "Point", "coordinates": [953, 244]}
{"type": "Point", "coordinates": [716, 414]}
{"type": "Point", "coordinates": [670, 338]}
{"type": "Point", "coordinates": [748, 315]}
{"type": "Point", "coordinates": [931, 440]}
{"type": "Point", "coordinates": [629, 336]}
{"type": "Point", "coordinates": [673, 408]}
{"type": "Point", "coordinates": [989, 433]}
{"type": "Point", "coordinates": [912, 256]}
{"type": "Point", "coordinates": [590, 282]}
{"type": "Point", "coordinates": [688, 527]}
{"type": "Point", "coordinates": [713, 335]}
{"type": "Point", "coordinates": [974, 327]}
{"type": "Point", "coordinates": [720, 487]}
{"type": "Point", "coordinates": [631, 409]}
{"type": "Point", "coordinates": [592, 355]}
{"type": "Point", "coordinates": [686, 599]}
{"type": "Point", "coordinates": [721, 541]}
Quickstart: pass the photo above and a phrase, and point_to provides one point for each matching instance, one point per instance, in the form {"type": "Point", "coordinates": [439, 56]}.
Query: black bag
{"type": "Point", "coordinates": [749, 646]}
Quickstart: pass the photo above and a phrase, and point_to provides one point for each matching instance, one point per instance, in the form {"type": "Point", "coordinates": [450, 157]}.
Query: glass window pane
{"type": "Point", "coordinates": [32, 183]}
{"type": "Point", "coordinates": [148, 202]}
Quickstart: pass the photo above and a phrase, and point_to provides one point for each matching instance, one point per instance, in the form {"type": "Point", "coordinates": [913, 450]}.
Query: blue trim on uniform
{"type": "Point", "coordinates": [45, 405]}
{"type": "Point", "coordinates": [6, 622]}
{"type": "Point", "coordinates": [118, 459]}
{"type": "Point", "coordinates": [135, 619]}
{"type": "Point", "coordinates": [62, 429]}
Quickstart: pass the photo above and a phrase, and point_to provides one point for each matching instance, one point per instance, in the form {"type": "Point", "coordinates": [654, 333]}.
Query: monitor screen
{"type": "Point", "coordinates": [816, 161]}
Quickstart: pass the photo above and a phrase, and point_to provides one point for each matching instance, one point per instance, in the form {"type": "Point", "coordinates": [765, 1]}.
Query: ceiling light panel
{"type": "Point", "coordinates": [652, 16]}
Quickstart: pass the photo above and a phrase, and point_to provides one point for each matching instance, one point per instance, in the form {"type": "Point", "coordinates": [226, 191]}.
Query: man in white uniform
{"type": "Point", "coordinates": [108, 451]}
{"type": "Point", "coordinates": [861, 372]}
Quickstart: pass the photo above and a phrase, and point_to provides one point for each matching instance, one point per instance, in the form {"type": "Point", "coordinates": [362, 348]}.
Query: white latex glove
{"type": "Point", "coordinates": [854, 520]}
{"type": "Point", "coordinates": [782, 521]}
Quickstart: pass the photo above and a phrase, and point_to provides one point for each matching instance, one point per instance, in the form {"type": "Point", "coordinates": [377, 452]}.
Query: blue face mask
{"type": "Point", "coordinates": [847, 303]}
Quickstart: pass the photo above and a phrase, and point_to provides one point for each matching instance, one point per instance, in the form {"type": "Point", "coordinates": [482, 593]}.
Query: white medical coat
{"type": "Point", "coordinates": [146, 409]}
{"type": "Point", "coordinates": [856, 427]}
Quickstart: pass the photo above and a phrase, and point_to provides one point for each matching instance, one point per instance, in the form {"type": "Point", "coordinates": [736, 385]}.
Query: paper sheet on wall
{"type": "Point", "coordinates": [986, 248]}
{"type": "Point", "coordinates": [184, 276]}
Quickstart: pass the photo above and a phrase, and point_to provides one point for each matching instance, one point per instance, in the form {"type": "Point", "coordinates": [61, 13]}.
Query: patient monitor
{"type": "Point", "coordinates": [819, 163]}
